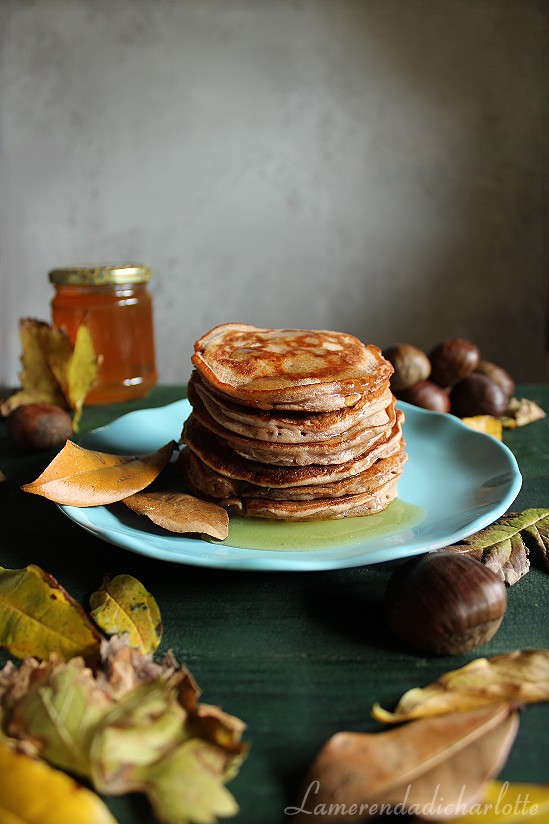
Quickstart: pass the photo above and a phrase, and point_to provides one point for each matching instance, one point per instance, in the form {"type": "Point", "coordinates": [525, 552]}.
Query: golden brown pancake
{"type": "Point", "coordinates": [320, 509]}
{"type": "Point", "coordinates": [335, 450]}
{"type": "Point", "coordinates": [289, 368]}
{"type": "Point", "coordinates": [288, 426]}
{"type": "Point", "coordinates": [215, 452]}
{"type": "Point", "coordinates": [213, 484]}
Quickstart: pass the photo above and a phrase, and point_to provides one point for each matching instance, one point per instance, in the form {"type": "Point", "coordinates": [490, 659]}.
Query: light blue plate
{"type": "Point", "coordinates": [461, 479]}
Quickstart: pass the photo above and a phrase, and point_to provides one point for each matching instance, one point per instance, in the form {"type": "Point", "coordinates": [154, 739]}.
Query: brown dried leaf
{"type": "Point", "coordinates": [179, 512]}
{"type": "Point", "coordinates": [83, 477]}
{"type": "Point", "coordinates": [521, 677]}
{"type": "Point", "coordinates": [428, 767]}
{"type": "Point", "coordinates": [521, 412]}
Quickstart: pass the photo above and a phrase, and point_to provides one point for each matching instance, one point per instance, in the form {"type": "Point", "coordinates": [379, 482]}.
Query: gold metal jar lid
{"type": "Point", "coordinates": [118, 273]}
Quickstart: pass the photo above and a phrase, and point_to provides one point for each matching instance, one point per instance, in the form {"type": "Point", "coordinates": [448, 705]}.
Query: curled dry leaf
{"type": "Point", "coordinates": [38, 617]}
{"type": "Point", "coordinates": [435, 768]}
{"type": "Point", "coordinates": [505, 546]}
{"type": "Point", "coordinates": [122, 604]}
{"type": "Point", "coordinates": [131, 725]}
{"type": "Point", "coordinates": [521, 676]}
{"type": "Point", "coordinates": [179, 512]}
{"type": "Point", "coordinates": [521, 412]}
{"type": "Point", "coordinates": [31, 792]}
{"type": "Point", "coordinates": [84, 477]}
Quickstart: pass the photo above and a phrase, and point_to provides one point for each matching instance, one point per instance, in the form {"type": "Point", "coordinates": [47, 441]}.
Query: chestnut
{"type": "Point", "coordinates": [452, 360]}
{"type": "Point", "coordinates": [444, 603]}
{"type": "Point", "coordinates": [427, 395]}
{"type": "Point", "coordinates": [498, 375]}
{"type": "Point", "coordinates": [478, 395]}
{"type": "Point", "coordinates": [33, 427]}
{"type": "Point", "coordinates": [411, 365]}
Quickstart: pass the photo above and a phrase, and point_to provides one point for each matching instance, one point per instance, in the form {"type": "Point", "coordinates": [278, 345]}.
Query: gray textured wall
{"type": "Point", "coordinates": [372, 166]}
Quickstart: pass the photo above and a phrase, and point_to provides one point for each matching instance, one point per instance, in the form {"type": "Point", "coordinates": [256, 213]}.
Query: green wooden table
{"type": "Point", "coordinates": [297, 655]}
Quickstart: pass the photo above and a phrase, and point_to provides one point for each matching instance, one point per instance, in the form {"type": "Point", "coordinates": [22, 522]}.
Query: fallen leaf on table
{"type": "Point", "coordinates": [38, 617]}
{"type": "Point", "coordinates": [511, 804]}
{"type": "Point", "coordinates": [505, 545]}
{"type": "Point", "coordinates": [485, 423]}
{"type": "Point", "coordinates": [521, 676]}
{"type": "Point", "coordinates": [84, 477]}
{"type": "Point", "coordinates": [122, 604]}
{"type": "Point", "coordinates": [521, 412]}
{"type": "Point", "coordinates": [431, 767]}
{"type": "Point", "coordinates": [179, 512]}
{"type": "Point", "coordinates": [31, 792]}
{"type": "Point", "coordinates": [132, 725]}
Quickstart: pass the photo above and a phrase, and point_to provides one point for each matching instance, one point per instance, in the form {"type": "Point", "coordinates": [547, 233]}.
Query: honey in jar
{"type": "Point", "coordinates": [115, 304]}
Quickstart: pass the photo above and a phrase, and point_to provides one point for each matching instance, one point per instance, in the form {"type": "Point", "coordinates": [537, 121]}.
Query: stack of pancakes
{"type": "Point", "coordinates": [291, 424]}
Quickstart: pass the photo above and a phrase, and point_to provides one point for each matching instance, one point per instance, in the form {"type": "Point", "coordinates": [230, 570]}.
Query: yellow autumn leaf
{"type": "Point", "coordinates": [122, 604]}
{"type": "Point", "coordinates": [510, 803]}
{"type": "Point", "coordinates": [521, 676]}
{"type": "Point", "coordinates": [74, 366]}
{"type": "Point", "coordinates": [38, 617]}
{"type": "Point", "coordinates": [487, 424]}
{"type": "Point", "coordinates": [38, 383]}
{"type": "Point", "coordinates": [84, 477]}
{"type": "Point", "coordinates": [32, 792]}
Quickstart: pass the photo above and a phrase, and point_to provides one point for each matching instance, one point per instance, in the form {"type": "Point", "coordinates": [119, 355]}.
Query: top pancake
{"type": "Point", "coordinates": [292, 369]}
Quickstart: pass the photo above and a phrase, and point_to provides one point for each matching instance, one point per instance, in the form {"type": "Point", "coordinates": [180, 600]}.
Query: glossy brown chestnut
{"type": "Point", "coordinates": [411, 365]}
{"type": "Point", "coordinates": [445, 603]}
{"type": "Point", "coordinates": [452, 360]}
{"type": "Point", "coordinates": [478, 395]}
{"type": "Point", "coordinates": [498, 375]}
{"type": "Point", "coordinates": [427, 395]}
{"type": "Point", "coordinates": [33, 427]}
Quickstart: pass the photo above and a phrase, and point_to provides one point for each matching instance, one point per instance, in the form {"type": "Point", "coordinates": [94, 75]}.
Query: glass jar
{"type": "Point", "coordinates": [115, 304]}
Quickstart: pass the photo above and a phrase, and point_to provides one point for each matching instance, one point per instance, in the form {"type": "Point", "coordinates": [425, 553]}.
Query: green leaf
{"type": "Point", "coordinates": [122, 604]}
{"type": "Point", "coordinates": [506, 527]}
{"type": "Point", "coordinates": [187, 786]}
{"type": "Point", "coordinates": [61, 713]}
{"type": "Point", "coordinates": [504, 545]}
{"type": "Point", "coordinates": [38, 617]}
{"type": "Point", "coordinates": [131, 725]}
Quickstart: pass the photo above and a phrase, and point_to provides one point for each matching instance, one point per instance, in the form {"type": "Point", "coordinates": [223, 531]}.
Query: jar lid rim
{"type": "Point", "coordinates": [99, 274]}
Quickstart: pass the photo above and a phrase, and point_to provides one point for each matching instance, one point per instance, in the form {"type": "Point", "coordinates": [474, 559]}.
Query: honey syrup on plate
{"type": "Point", "coordinates": [303, 536]}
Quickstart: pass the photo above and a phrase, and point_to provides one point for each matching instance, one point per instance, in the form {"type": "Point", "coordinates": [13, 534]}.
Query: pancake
{"type": "Point", "coordinates": [335, 450]}
{"type": "Point", "coordinates": [320, 509]}
{"type": "Point", "coordinates": [213, 484]}
{"type": "Point", "coordinates": [287, 426]}
{"type": "Point", "coordinates": [292, 369]}
{"type": "Point", "coordinates": [215, 453]}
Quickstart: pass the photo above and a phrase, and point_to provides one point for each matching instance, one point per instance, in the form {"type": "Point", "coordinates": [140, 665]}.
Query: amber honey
{"type": "Point", "coordinates": [115, 304]}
